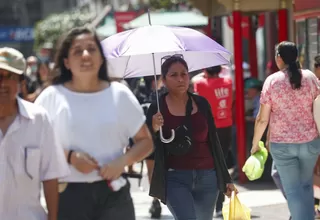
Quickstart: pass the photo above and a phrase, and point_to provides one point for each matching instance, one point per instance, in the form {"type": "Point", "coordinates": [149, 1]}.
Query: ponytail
{"type": "Point", "coordinates": [294, 75]}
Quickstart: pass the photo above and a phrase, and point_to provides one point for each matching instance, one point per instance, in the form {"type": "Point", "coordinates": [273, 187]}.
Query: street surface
{"type": "Point", "coordinates": [265, 201]}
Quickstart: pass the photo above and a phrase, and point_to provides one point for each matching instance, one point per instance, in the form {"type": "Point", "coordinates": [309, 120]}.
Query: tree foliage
{"type": "Point", "coordinates": [166, 4]}
{"type": "Point", "coordinates": [51, 28]}
{"type": "Point", "coordinates": [161, 4]}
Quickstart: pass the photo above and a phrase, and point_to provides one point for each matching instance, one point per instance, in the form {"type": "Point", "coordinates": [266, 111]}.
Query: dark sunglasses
{"type": "Point", "coordinates": [316, 65]}
{"type": "Point", "coordinates": [163, 59]}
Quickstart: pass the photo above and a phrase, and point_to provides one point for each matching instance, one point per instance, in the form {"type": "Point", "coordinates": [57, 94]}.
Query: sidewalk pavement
{"type": "Point", "coordinates": [265, 205]}
{"type": "Point", "coordinates": [264, 199]}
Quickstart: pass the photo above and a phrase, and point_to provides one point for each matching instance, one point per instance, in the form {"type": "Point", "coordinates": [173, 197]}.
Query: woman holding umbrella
{"type": "Point", "coordinates": [94, 119]}
{"type": "Point", "coordinates": [190, 170]}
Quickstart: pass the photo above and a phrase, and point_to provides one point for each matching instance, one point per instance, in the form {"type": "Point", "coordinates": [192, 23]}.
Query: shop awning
{"type": "Point", "coordinates": [183, 18]}
{"type": "Point", "coordinates": [224, 7]}
{"type": "Point", "coordinates": [108, 28]}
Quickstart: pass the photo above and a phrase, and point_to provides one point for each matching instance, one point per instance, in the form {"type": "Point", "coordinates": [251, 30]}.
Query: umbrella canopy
{"type": "Point", "coordinates": [133, 53]}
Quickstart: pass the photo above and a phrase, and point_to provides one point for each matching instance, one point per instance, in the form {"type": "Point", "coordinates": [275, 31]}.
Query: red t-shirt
{"type": "Point", "coordinates": [218, 92]}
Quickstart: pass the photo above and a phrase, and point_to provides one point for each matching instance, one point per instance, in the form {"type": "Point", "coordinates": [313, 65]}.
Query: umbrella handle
{"type": "Point", "coordinates": [166, 141]}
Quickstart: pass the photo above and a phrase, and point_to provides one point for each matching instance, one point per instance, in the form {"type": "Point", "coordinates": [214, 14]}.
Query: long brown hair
{"type": "Point", "coordinates": [64, 74]}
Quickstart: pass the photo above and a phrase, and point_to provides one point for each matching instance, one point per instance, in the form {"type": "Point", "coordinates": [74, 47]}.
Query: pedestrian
{"type": "Point", "coordinates": [218, 91]}
{"type": "Point", "coordinates": [190, 171]}
{"type": "Point", "coordinates": [286, 101]}
{"type": "Point", "coordinates": [317, 73]}
{"type": "Point", "coordinates": [94, 119]}
{"type": "Point", "coordinates": [29, 153]}
{"type": "Point", "coordinates": [43, 78]}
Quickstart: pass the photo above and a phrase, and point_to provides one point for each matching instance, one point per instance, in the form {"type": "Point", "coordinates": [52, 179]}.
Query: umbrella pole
{"type": "Point", "coordinates": [164, 140]}
{"type": "Point", "coordinates": [149, 17]}
{"type": "Point", "coordinates": [155, 81]}
{"type": "Point", "coordinates": [154, 68]}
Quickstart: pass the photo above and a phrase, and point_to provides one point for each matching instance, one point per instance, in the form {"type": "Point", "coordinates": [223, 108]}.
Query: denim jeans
{"type": "Point", "coordinates": [192, 194]}
{"type": "Point", "coordinates": [295, 164]}
{"type": "Point", "coordinates": [276, 179]}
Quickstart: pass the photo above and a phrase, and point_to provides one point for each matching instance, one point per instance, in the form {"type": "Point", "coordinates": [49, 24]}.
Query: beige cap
{"type": "Point", "coordinates": [12, 60]}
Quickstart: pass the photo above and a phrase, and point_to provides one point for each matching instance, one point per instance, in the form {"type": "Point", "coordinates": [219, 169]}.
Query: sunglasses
{"type": "Point", "coordinates": [317, 65]}
{"type": "Point", "coordinates": [163, 59]}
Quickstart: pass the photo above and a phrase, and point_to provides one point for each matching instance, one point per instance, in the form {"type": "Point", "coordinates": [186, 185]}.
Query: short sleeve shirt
{"type": "Point", "coordinates": [29, 154]}
{"type": "Point", "coordinates": [98, 123]}
{"type": "Point", "coordinates": [291, 119]}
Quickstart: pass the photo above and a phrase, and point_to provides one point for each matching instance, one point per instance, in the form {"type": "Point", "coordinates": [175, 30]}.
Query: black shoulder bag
{"type": "Point", "coordinates": [182, 142]}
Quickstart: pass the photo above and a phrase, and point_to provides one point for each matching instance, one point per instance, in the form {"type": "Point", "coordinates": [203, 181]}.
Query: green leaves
{"type": "Point", "coordinates": [166, 4]}
{"type": "Point", "coordinates": [55, 25]}
{"type": "Point", "coordinates": [161, 4]}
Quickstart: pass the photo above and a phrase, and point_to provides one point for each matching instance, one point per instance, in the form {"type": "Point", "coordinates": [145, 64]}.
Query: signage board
{"type": "Point", "coordinates": [16, 34]}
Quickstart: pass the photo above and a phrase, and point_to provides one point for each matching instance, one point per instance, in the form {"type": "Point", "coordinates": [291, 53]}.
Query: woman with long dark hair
{"type": "Point", "coordinates": [190, 171]}
{"type": "Point", "coordinates": [44, 77]}
{"type": "Point", "coordinates": [286, 105]}
{"type": "Point", "coordinates": [94, 118]}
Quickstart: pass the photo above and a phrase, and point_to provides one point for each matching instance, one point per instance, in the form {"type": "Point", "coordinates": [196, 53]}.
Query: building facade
{"type": "Point", "coordinates": [307, 28]}
{"type": "Point", "coordinates": [18, 17]}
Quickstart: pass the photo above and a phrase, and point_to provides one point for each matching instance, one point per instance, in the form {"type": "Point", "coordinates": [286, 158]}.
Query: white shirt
{"type": "Point", "coordinates": [99, 123]}
{"type": "Point", "coordinates": [29, 154]}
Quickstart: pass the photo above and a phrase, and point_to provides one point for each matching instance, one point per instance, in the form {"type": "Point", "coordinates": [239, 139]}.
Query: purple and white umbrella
{"type": "Point", "coordinates": [138, 52]}
{"type": "Point", "coordinates": [130, 54]}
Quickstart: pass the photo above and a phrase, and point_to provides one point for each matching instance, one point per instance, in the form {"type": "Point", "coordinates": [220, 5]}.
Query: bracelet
{"type": "Point", "coordinates": [69, 156]}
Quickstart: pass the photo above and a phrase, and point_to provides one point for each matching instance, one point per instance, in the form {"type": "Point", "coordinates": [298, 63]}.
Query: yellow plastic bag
{"type": "Point", "coordinates": [235, 210]}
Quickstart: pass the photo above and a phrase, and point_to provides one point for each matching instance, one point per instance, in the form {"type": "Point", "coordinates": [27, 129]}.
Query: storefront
{"type": "Point", "coordinates": [307, 28]}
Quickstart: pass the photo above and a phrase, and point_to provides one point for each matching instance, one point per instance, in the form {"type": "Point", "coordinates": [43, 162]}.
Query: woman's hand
{"type": "Point", "coordinates": [157, 121]}
{"type": "Point", "coordinates": [255, 148]}
{"type": "Point", "coordinates": [230, 189]}
{"type": "Point", "coordinates": [83, 162]}
{"type": "Point", "coordinates": [113, 170]}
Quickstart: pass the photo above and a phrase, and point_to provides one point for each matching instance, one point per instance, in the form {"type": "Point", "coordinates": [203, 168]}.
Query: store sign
{"type": "Point", "coordinates": [122, 18]}
{"type": "Point", "coordinates": [16, 34]}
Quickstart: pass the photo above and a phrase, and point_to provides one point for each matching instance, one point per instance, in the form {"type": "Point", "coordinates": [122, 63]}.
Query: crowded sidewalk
{"type": "Point", "coordinates": [265, 200]}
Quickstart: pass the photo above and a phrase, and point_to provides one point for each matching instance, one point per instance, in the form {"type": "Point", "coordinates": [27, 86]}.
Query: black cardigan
{"type": "Point", "coordinates": [158, 182]}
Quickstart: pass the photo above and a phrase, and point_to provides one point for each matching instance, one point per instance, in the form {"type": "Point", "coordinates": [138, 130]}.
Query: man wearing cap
{"type": "Point", "coordinates": [29, 153]}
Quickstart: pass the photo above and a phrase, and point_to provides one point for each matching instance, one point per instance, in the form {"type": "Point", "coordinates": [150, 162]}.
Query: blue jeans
{"type": "Point", "coordinates": [192, 194]}
{"type": "Point", "coordinates": [295, 164]}
{"type": "Point", "coordinates": [276, 179]}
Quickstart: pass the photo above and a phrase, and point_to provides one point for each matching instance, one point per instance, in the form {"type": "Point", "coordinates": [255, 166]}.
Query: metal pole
{"type": "Point", "coordinates": [253, 46]}
{"type": "Point", "coordinates": [283, 22]}
{"type": "Point", "coordinates": [240, 119]}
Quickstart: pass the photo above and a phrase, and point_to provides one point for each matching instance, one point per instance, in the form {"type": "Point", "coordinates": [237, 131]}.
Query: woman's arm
{"type": "Point", "coordinates": [260, 126]}
{"type": "Point", "coordinates": [142, 148]}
